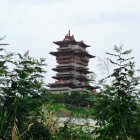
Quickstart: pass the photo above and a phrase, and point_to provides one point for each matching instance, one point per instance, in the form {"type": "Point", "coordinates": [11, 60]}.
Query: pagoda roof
{"type": "Point", "coordinates": [63, 76]}
{"type": "Point", "coordinates": [87, 86]}
{"type": "Point", "coordinates": [55, 85]}
{"type": "Point", "coordinates": [84, 53]}
{"type": "Point", "coordinates": [84, 70]}
{"type": "Point", "coordinates": [74, 42]}
{"type": "Point", "coordinates": [70, 39]}
{"type": "Point", "coordinates": [71, 85]}
{"type": "Point", "coordinates": [73, 52]}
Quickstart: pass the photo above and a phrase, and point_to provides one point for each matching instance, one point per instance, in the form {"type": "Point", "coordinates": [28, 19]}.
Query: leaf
{"type": "Point", "coordinates": [126, 52]}
{"type": "Point", "coordinates": [27, 62]}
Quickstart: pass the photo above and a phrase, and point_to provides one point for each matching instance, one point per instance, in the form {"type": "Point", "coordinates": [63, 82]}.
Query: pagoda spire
{"type": "Point", "coordinates": [69, 32]}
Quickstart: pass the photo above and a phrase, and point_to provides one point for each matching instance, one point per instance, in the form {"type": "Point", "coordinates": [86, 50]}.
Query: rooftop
{"type": "Point", "coordinates": [70, 39]}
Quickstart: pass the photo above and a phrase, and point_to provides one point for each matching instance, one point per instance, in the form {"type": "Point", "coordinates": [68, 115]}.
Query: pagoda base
{"type": "Point", "coordinates": [67, 89]}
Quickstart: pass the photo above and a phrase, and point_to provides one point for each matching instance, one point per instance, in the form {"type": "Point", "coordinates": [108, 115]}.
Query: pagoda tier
{"type": "Point", "coordinates": [70, 76]}
{"type": "Point", "coordinates": [73, 42]}
{"type": "Point", "coordinates": [69, 84]}
{"type": "Point", "coordinates": [81, 69]}
{"type": "Point", "coordinates": [77, 52]}
{"type": "Point", "coordinates": [69, 87]}
{"type": "Point", "coordinates": [72, 68]}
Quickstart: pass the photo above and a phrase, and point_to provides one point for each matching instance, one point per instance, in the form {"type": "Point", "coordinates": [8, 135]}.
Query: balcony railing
{"type": "Point", "coordinates": [73, 73]}
{"type": "Point", "coordinates": [72, 47]}
{"type": "Point", "coordinates": [59, 89]}
{"type": "Point", "coordinates": [63, 57]}
{"type": "Point", "coordinates": [63, 73]}
{"type": "Point", "coordinates": [72, 64]}
{"type": "Point", "coordinates": [63, 82]}
{"type": "Point", "coordinates": [71, 57]}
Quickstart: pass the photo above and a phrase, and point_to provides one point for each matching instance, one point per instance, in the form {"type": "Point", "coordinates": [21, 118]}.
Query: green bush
{"type": "Point", "coordinates": [71, 132]}
{"type": "Point", "coordinates": [74, 98]}
{"type": "Point", "coordinates": [38, 132]}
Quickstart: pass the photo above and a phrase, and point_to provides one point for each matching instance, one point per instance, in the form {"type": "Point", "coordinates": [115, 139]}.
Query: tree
{"type": "Point", "coordinates": [116, 106]}
{"type": "Point", "coordinates": [21, 86]}
{"type": "Point", "coordinates": [4, 80]}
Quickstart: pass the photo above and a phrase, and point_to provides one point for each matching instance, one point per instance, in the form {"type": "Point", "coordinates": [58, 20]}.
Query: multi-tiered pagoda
{"type": "Point", "coordinates": [72, 68]}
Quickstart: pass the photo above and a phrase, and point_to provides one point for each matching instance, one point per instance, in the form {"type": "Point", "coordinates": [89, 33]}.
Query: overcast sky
{"type": "Point", "coordinates": [34, 24]}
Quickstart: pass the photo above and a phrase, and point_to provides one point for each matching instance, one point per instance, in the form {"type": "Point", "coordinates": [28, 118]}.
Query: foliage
{"type": "Point", "coordinates": [21, 87]}
{"type": "Point", "coordinates": [23, 92]}
{"type": "Point", "coordinates": [44, 126]}
{"type": "Point", "coordinates": [81, 99]}
{"type": "Point", "coordinates": [71, 132]}
{"type": "Point", "coordinates": [116, 106]}
{"type": "Point", "coordinates": [67, 110]}
{"type": "Point", "coordinates": [4, 114]}
{"type": "Point", "coordinates": [38, 132]}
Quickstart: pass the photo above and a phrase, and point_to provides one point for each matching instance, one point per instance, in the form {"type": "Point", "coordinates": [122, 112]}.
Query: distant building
{"type": "Point", "coordinates": [72, 68]}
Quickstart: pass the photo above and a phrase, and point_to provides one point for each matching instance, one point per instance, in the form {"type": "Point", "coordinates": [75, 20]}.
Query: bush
{"type": "Point", "coordinates": [81, 99]}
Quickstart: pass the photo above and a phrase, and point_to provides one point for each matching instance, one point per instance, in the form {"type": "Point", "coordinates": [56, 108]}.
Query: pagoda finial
{"type": "Point", "coordinates": [69, 32]}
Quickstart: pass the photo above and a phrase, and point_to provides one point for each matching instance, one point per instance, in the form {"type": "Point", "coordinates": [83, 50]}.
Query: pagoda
{"type": "Point", "coordinates": [72, 68]}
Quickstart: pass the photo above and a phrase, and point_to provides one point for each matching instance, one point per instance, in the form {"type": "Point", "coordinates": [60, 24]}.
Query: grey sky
{"type": "Point", "coordinates": [34, 24]}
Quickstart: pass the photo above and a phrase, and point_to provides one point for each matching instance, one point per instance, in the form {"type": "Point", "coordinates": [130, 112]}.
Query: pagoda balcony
{"type": "Point", "coordinates": [61, 69]}
{"type": "Point", "coordinates": [71, 74]}
{"type": "Point", "coordinates": [63, 82]}
{"type": "Point", "coordinates": [72, 47]}
{"type": "Point", "coordinates": [76, 62]}
{"type": "Point", "coordinates": [60, 89]}
{"type": "Point", "coordinates": [64, 57]}
{"type": "Point", "coordinates": [72, 59]}
{"type": "Point", "coordinates": [68, 67]}
{"type": "Point", "coordinates": [65, 61]}
{"type": "Point", "coordinates": [64, 77]}
{"type": "Point", "coordinates": [58, 83]}
{"type": "Point", "coordinates": [72, 64]}
{"type": "Point", "coordinates": [66, 73]}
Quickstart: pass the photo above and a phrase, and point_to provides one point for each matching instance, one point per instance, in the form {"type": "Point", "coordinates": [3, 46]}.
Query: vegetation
{"type": "Point", "coordinates": [81, 99]}
{"type": "Point", "coordinates": [21, 87]}
{"type": "Point", "coordinates": [74, 104]}
{"type": "Point", "coordinates": [67, 110]}
{"type": "Point", "coordinates": [28, 111]}
{"type": "Point", "coordinates": [117, 106]}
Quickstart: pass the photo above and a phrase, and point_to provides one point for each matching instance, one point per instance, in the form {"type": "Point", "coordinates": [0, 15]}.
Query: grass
{"type": "Point", "coordinates": [67, 110]}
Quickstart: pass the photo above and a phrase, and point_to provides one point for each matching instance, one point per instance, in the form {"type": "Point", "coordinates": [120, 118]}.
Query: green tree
{"type": "Point", "coordinates": [116, 106]}
{"type": "Point", "coordinates": [5, 58]}
{"type": "Point", "coordinates": [21, 87]}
